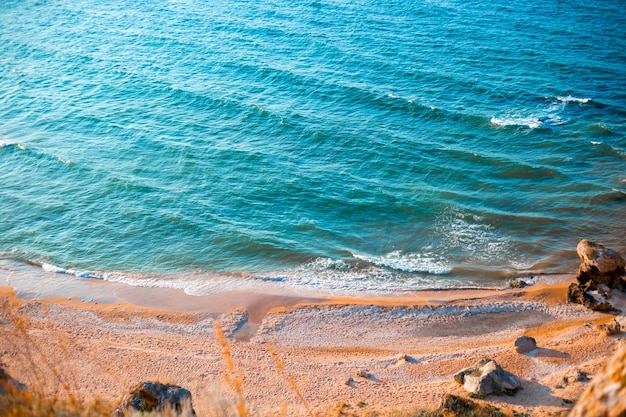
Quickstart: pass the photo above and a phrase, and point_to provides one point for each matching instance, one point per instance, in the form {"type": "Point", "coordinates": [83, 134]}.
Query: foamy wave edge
{"type": "Point", "coordinates": [530, 122]}
{"type": "Point", "coordinates": [571, 99]}
{"type": "Point", "coordinates": [322, 276]}
{"type": "Point", "coordinates": [409, 262]}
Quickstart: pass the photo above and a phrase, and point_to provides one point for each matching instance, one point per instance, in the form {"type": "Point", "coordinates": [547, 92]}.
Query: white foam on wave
{"type": "Point", "coordinates": [530, 122]}
{"type": "Point", "coordinates": [65, 161]}
{"type": "Point", "coordinates": [12, 144]}
{"type": "Point", "coordinates": [81, 274]}
{"type": "Point", "coordinates": [337, 277]}
{"type": "Point", "coordinates": [469, 237]}
{"type": "Point", "coordinates": [410, 262]}
{"type": "Point", "coordinates": [570, 99]}
{"type": "Point", "coordinates": [192, 283]}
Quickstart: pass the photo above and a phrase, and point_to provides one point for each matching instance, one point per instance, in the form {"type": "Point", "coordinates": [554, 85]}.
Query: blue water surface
{"type": "Point", "coordinates": [388, 145]}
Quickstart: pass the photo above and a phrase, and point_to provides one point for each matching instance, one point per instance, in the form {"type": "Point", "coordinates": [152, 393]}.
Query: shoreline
{"type": "Point", "coordinates": [31, 281]}
{"type": "Point", "coordinates": [110, 336]}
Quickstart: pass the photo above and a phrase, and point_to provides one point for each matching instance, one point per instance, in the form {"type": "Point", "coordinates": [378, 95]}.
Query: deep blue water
{"type": "Point", "coordinates": [331, 144]}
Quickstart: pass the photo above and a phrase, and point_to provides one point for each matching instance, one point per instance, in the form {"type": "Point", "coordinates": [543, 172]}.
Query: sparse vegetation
{"type": "Point", "coordinates": [477, 395]}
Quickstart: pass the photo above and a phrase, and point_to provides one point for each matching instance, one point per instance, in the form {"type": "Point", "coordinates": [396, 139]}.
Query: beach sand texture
{"type": "Point", "coordinates": [308, 352]}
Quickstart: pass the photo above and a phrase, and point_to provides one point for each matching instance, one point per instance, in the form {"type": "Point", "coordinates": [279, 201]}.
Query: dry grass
{"type": "Point", "coordinates": [16, 400]}
{"type": "Point", "coordinates": [233, 378]}
{"type": "Point", "coordinates": [17, 403]}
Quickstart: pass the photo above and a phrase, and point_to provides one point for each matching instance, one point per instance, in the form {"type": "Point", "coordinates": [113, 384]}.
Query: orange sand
{"type": "Point", "coordinates": [100, 349]}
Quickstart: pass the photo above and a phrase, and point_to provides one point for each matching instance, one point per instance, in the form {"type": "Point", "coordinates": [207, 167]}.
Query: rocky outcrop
{"type": "Point", "coordinates": [156, 400]}
{"type": "Point", "coordinates": [487, 377]}
{"type": "Point", "coordinates": [606, 394]}
{"type": "Point", "coordinates": [601, 265]}
{"type": "Point", "coordinates": [601, 271]}
{"type": "Point", "coordinates": [610, 329]}
{"type": "Point", "coordinates": [580, 294]}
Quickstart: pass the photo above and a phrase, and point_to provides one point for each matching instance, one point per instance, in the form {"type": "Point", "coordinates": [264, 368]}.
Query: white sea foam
{"type": "Point", "coordinates": [570, 99]}
{"type": "Point", "coordinates": [81, 274]}
{"type": "Point", "coordinates": [12, 144]}
{"type": "Point", "coordinates": [530, 122]}
{"type": "Point", "coordinates": [470, 237]}
{"type": "Point", "coordinates": [65, 161]}
{"type": "Point", "coordinates": [410, 262]}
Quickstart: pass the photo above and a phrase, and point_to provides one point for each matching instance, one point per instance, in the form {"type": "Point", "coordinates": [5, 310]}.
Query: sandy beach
{"type": "Point", "coordinates": [302, 350]}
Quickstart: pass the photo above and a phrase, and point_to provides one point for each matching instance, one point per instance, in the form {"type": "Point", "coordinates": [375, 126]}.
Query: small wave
{"type": "Point", "coordinates": [614, 196]}
{"type": "Point", "coordinates": [530, 122]}
{"type": "Point", "coordinates": [81, 274]}
{"type": "Point", "coordinates": [570, 99]}
{"type": "Point", "coordinates": [135, 280]}
{"type": "Point", "coordinates": [65, 161]}
{"type": "Point", "coordinates": [410, 262]}
{"type": "Point", "coordinates": [12, 145]}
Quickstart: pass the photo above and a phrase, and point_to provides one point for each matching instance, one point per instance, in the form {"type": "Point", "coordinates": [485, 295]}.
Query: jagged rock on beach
{"type": "Point", "coordinates": [517, 283]}
{"type": "Point", "coordinates": [579, 295]}
{"type": "Point", "coordinates": [606, 394]}
{"type": "Point", "coordinates": [156, 400]}
{"type": "Point", "coordinates": [487, 378]}
{"type": "Point", "coordinates": [601, 270]}
{"type": "Point", "coordinates": [600, 265]}
{"type": "Point", "coordinates": [525, 344]}
{"type": "Point", "coordinates": [611, 328]}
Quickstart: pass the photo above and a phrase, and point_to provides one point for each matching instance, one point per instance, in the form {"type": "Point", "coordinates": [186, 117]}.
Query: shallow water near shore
{"type": "Point", "coordinates": [375, 147]}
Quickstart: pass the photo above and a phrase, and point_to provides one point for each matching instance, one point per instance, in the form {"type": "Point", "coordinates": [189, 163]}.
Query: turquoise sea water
{"type": "Point", "coordinates": [362, 145]}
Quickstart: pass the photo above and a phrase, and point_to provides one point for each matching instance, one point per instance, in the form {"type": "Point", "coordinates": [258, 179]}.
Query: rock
{"type": "Point", "coordinates": [525, 344]}
{"type": "Point", "coordinates": [611, 328]}
{"type": "Point", "coordinates": [600, 265]}
{"type": "Point", "coordinates": [595, 255]}
{"type": "Point", "coordinates": [401, 357]}
{"type": "Point", "coordinates": [606, 394]}
{"type": "Point", "coordinates": [156, 400]}
{"type": "Point", "coordinates": [574, 375]}
{"type": "Point", "coordinates": [363, 373]}
{"type": "Point", "coordinates": [517, 283]}
{"type": "Point", "coordinates": [579, 295]}
{"type": "Point", "coordinates": [455, 406]}
{"type": "Point", "coordinates": [487, 378]}
{"type": "Point", "coordinates": [601, 270]}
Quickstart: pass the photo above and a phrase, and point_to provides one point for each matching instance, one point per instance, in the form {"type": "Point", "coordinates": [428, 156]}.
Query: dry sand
{"type": "Point", "coordinates": [411, 346]}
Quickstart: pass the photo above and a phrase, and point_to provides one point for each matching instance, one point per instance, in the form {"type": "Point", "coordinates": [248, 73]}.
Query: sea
{"type": "Point", "coordinates": [329, 145]}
